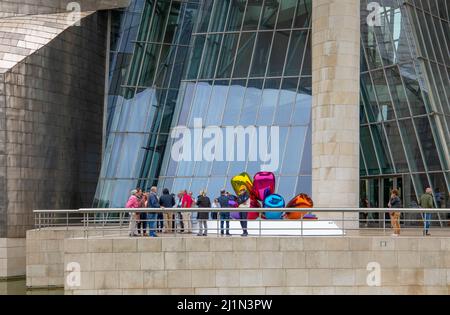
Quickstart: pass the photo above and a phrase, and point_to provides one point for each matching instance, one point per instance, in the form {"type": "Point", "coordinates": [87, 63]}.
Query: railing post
{"type": "Point", "coordinates": [343, 223]}
{"type": "Point", "coordinates": [218, 223]}
{"type": "Point", "coordinates": [301, 226]}
{"type": "Point", "coordinates": [67, 221]}
{"type": "Point", "coordinates": [39, 220]}
{"type": "Point", "coordinates": [260, 227]}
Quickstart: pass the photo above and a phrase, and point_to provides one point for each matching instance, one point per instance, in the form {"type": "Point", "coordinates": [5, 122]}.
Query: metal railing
{"type": "Point", "coordinates": [336, 221]}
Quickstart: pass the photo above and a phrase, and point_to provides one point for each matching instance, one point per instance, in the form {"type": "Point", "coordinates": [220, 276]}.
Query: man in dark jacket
{"type": "Point", "coordinates": [203, 201]}
{"type": "Point", "coordinates": [224, 216]}
{"type": "Point", "coordinates": [153, 202]}
{"type": "Point", "coordinates": [167, 201]}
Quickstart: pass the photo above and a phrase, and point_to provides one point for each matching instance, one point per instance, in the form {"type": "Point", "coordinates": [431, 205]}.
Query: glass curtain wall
{"type": "Point", "coordinates": [143, 93]}
{"type": "Point", "coordinates": [405, 95]}
{"type": "Point", "coordinates": [249, 65]}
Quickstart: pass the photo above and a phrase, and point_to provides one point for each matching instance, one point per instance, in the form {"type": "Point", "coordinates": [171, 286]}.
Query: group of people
{"type": "Point", "coordinates": [181, 221]}
{"type": "Point", "coordinates": [426, 202]}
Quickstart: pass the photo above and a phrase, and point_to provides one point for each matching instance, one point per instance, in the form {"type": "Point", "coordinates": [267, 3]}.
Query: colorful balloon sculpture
{"type": "Point", "coordinates": [262, 189]}
{"type": "Point", "coordinates": [263, 185]}
{"type": "Point", "coordinates": [299, 201]}
{"type": "Point", "coordinates": [274, 201]}
{"type": "Point", "coordinates": [253, 204]}
{"type": "Point", "coordinates": [240, 180]}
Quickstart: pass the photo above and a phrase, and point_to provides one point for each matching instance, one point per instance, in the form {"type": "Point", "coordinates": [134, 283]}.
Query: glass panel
{"type": "Point", "coordinates": [303, 14]}
{"type": "Point", "coordinates": [252, 14]}
{"type": "Point", "coordinates": [303, 103]}
{"type": "Point", "coordinates": [306, 166]}
{"type": "Point", "coordinates": [195, 56]}
{"type": "Point", "coordinates": [261, 54]}
{"type": "Point", "coordinates": [235, 15]}
{"type": "Point", "coordinates": [244, 55]}
{"type": "Point", "coordinates": [205, 15]}
{"type": "Point", "coordinates": [227, 55]}
{"type": "Point", "coordinates": [384, 41]}
{"type": "Point", "coordinates": [269, 101]}
{"type": "Point", "coordinates": [295, 53]}
{"type": "Point", "coordinates": [411, 145]}
{"type": "Point", "coordinates": [428, 145]}
{"type": "Point", "coordinates": [286, 14]}
{"type": "Point", "coordinates": [369, 152]}
{"type": "Point", "coordinates": [269, 14]}
{"type": "Point", "coordinates": [307, 61]}
{"type": "Point", "coordinates": [440, 189]}
{"type": "Point", "coordinates": [188, 89]}
{"type": "Point", "coordinates": [396, 146]}
{"type": "Point", "coordinates": [214, 187]}
{"type": "Point", "coordinates": [209, 63]}
{"type": "Point", "coordinates": [201, 101]}
{"type": "Point", "coordinates": [158, 21]}
{"type": "Point", "coordinates": [286, 102]}
{"type": "Point", "coordinates": [381, 146]}
{"type": "Point", "coordinates": [219, 15]}
{"type": "Point", "coordinates": [172, 28]}
{"type": "Point", "coordinates": [286, 187]}
{"type": "Point", "coordinates": [278, 54]}
{"type": "Point", "coordinates": [412, 88]}
{"type": "Point", "coordinates": [217, 103]}
{"type": "Point", "coordinates": [397, 92]}
{"type": "Point", "coordinates": [304, 185]}
{"type": "Point", "coordinates": [294, 148]}
{"type": "Point", "coordinates": [368, 96]}
{"type": "Point", "coordinates": [251, 103]}
{"type": "Point", "coordinates": [234, 103]}
{"type": "Point", "coordinates": [384, 100]}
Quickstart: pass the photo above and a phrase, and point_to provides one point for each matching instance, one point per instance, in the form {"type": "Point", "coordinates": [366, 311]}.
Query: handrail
{"type": "Point", "coordinates": [246, 209]}
{"type": "Point", "coordinates": [336, 222]}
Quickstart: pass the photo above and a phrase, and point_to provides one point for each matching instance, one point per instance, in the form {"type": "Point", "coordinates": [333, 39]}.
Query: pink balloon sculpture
{"type": "Point", "coordinates": [263, 185]}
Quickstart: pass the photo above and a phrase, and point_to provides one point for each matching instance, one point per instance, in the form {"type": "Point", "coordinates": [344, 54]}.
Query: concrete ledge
{"type": "Point", "coordinates": [12, 257]}
{"type": "Point", "coordinates": [260, 265]}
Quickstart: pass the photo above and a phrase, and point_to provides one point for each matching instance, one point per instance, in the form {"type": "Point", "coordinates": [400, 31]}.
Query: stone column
{"type": "Point", "coordinates": [335, 108]}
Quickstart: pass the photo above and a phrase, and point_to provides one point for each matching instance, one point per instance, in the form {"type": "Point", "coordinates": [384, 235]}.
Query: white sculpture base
{"type": "Point", "coordinates": [279, 227]}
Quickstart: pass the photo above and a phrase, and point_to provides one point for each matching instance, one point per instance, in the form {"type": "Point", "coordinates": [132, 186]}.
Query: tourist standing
{"type": "Point", "coordinates": [187, 202]}
{"type": "Point", "coordinates": [395, 203]}
{"type": "Point", "coordinates": [224, 216]}
{"type": "Point", "coordinates": [244, 202]}
{"type": "Point", "coordinates": [153, 203]}
{"type": "Point", "coordinates": [215, 205]}
{"type": "Point", "coordinates": [426, 202]}
{"type": "Point", "coordinates": [203, 201]}
{"type": "Point", "coordinates": [132, 203]}
{"type": "Point", "coordinates": [142, 225]}
{"type": "Point", "coordinates": [179, 218]}
{"type": "Point", "coordinates": [167, 201]}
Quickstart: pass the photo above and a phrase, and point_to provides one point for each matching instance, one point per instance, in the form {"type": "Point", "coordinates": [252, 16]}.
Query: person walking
{"type": "Point", "coordinates": [224, 216]}
{"type": "Point", "coordinates": [186, 202]}
{"type": "Point", "coordinates": [395, 203]}
{"type": "Point", "coordinates": [203, 201]}
{"type": "Point", "coordinates": [167, 201]}
{"type": "Point", "coordinates": [152, 217]}
{"type": "Point", "coordinates": [426, 202]}
{"type": "Point", "coordinates": [244, 202]}
{"type": "Point", "coordinates": [132, 203]}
